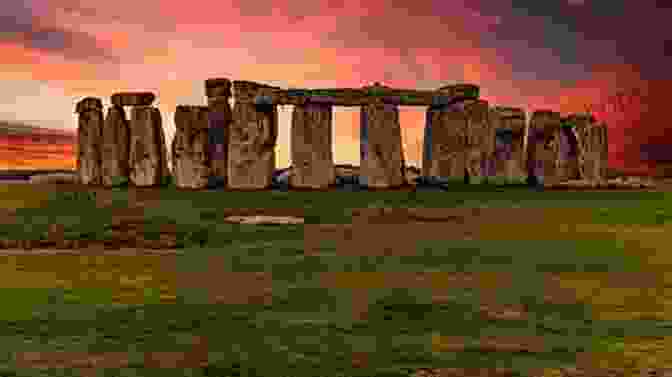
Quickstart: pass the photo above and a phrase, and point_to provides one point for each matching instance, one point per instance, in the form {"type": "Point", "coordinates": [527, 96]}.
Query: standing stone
{"type": "Point", "coordinates": [220, 119]}
{"type": "Point", "coordinates": [570, 146]}
{"type": "Point", "coordinates": [480, 140]}
{"type": "Point", "coordinates": [191, 160]}
{"type": "Point", "coordinates": [147, 153]}
{"type": "Point", "coordinates": [115, 151]}
{"type": "Point", "coordinates": [542, 146]}
{"type": "Point", "coordinates": [311, 150]}
{"type": "Point", "coordinates": [604, 151]}
{"type": "Point", "coordinates": [509, 123]}
{"type": "Point", "coordinates": [252, 140]}
{"type": "Point", "coordinates": [594, 144]}
{"type": "Point", "coordinates": [89, 132]}
{"type": "Point", "coordinates": [446, 152]}
{"type": "Point", "coordinates": [383, 163]}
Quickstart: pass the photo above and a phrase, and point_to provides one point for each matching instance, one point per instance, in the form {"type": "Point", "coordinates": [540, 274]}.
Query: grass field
{"type": "Point", "coordinates": [373, 284]}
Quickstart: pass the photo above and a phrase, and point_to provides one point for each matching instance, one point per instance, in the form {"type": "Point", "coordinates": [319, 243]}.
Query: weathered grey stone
{"type": "Point", "coordinates": [89, 140]}
{"type": "Point", "coordinates": [461, 91]}
{"type": "Point", "coordinates": [133, 99]}
{"type": "Point", "coordinates": [252, 140]}
{"type": "Point", "coordinates": [147, 154]}
{"type": "Point", "coordinates": [191, 160]}
{"type": "Point", "coordinates": [542, 146]}
{"type": "Point", "coordinates": [446, 150]}
{"type": "Point", "coordinates": [593, 162]}
{"type": "Point", "coordinates": [89, 103]}
{"type": "Point", "coordinates": [383, 162]}
{"type": "Point", "coordinates": [311, 149]}
{"type": "Point", "coordinates": [509, 124]}
{"type": "Point", "coordinates": [570, 148]}
{"type": "Point", "coordinates": [220, 120]}
{"type": "Point", "coordinates": [57, 178]}
{"type": "Point", "coordinates": [115, 147]}
{"type": "Point", "coordinates": [218, 87]}
{"type": "Point", "coordinates": [480, 140]}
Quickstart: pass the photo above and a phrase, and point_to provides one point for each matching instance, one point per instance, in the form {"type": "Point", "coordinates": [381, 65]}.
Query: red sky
{"type": "Point", "coordinates": [552, 54]}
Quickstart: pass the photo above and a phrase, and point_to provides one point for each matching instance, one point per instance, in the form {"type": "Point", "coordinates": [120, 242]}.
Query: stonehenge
{"type": "Point", "coordinates": [466, 139]}
{"type": "Point", "coordinates": [89, 136]}
{"type": "Point", "coordinates": [509, 158]}
{"type": "Point", "coordinates": [311, 149]}
{"type": "Point", "coordinates": [116, 143]}
{"type": "Point", "coordinates": [191, 159]}
{"type": "Point", "coordinates": [147, 156]}
{"type": "Point", "coordinates": [220, 117]}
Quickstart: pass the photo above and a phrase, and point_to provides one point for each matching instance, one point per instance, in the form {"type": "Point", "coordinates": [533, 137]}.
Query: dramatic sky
{"type": "Point", "coordinates": [557, 54]}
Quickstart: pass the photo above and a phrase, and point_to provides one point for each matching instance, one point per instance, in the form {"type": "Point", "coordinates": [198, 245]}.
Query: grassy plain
{"type": "Point", "coordinates": [372, 284]}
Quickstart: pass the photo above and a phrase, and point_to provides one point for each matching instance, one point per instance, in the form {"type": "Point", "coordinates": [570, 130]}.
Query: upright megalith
{"type": "Point", "coordinates": [191, 160]}
{"type": "Point", "coordinates": [252, 139]}
{"type": "Point", "coordinates": [383, 162]}
{"type": "Point", "coordinates": [509, 124]}
{"type": "Point", "coordinates": [311, 147]}
{"type": "Point", "coordinates": [115, 149]}
{"type": "Point", "coordinates": [480, 143]}
{"type": "Point", "coordinates": [147, 157]}
{"type": "Point", "coordinates": [594, 147]}
{"type": "Point", "coordinates": [446, 154]}
{"type": "Point", "coordinates": [133, 99]}
{"type": "Point", "coordinates": [220, 117]}
{"type": "Point", "coordinates": [89, 132]}
{"type": "Point", "coordinates": [570, 150]}
{"type": "Point", "coordinates": [543, 146]}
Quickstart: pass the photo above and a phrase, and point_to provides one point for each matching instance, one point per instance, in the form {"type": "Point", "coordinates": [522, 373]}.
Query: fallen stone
{"type": "Point", "coordinates": [252, 141]}
{"type": "Point", "coordinates": [58, 178]}
{"type": "Point", "coordinates": [191, 161]}
{"type": "Point", "coordinates": [89, 140]}
{"type": "Point", "coordinates": [133, 99]}
{"type": "Point", "coordinates": [311, 149]}
{"type": "Point", "coordinates": [115, 150]}
{"type": "Point", "coordinates": [261, 220]}
{"type": "Point", "coordinates": [383, 158]}
{"type": "Point", "coordinates": [147, 157]}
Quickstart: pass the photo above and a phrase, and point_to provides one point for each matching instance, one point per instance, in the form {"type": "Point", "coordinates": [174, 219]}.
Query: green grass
{"type": "Point", "coordinates": [308, 330]}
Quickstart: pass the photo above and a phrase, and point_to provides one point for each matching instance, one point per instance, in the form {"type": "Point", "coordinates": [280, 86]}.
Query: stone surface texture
{"type": "Point", "coordinates": [217, 87]}
{"type": "Point", "coordinates": [252, 140]}
{"type": "Point", "coordinates": [115, 147]}
{"type": "Point", "coordinates": [509, 150]}
{"type": "Point", "coordinates": [383, 164]}
{"type": "Point", "coordinates": [191, 160]}
{"type": "Point", "coordinates": [448, 145]}
{"type": "Point", "coordinates": [311, 146]}
{"type": "Point", "coordinates": [147, 158]}
{"type": "Point", "coordinates": [542, 146]}
{"type": "Point", "coordinates": [480, 140]}
{"type": "Point", "coordinates": [220, 118]}
{"type": "Point", "coordinates": [89, 133]}
{"type": "Point", "coordinates": [133, 99]}
{"type": "Point", "coordinates": [593, 161]}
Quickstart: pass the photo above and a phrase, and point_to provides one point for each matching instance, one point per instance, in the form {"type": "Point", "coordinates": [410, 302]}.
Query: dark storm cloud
{"type": "Point", "coordinates": [593, 33]}
{"type": "Point", "coordinates": [20, 25]}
